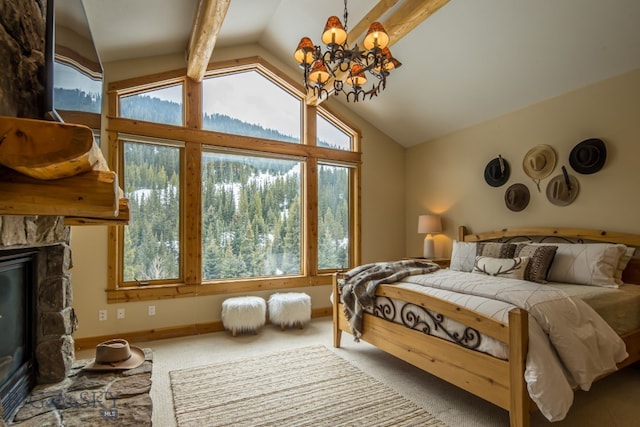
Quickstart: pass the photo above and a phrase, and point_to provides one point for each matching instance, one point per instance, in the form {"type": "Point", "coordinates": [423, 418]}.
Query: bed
{"type": "Point", "coordinates": [500, 379]}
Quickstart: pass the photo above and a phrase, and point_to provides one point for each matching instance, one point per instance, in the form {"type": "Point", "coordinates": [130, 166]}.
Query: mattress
{"type": "Point", "coordinates": [620, 308]}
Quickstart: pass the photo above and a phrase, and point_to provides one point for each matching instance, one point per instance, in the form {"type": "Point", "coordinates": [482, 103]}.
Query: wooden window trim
{"type": "Point", "coordinates": [195, 138]}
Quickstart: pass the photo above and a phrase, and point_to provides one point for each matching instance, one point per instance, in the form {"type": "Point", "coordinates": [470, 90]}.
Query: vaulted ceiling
{"type": "Point", "coordinates": [468, 62]}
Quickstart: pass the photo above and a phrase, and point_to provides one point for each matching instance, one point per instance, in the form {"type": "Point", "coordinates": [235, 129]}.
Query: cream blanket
{"type": "Point", "coordinates": [569, 343]}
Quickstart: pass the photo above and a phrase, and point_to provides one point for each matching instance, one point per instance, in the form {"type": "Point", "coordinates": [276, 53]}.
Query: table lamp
{"type": "Point", "coordinates": [429, 224]}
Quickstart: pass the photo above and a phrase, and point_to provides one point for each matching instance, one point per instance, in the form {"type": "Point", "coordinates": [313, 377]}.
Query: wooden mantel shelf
{"type": "Point", "coordinates": [51, 168]}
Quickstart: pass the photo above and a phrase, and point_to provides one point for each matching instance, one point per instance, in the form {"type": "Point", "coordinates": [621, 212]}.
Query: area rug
{"type": "Point", "coordinates": [310, 386]}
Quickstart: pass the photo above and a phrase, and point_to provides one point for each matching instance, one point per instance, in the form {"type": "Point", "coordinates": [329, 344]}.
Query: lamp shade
{"type": "Point", "coordinates": [376, 37]}
{"type": "Point", "coordinates": [319, 74]}
{"type": "Point", "coordinates": [429, 224]}
{"type": "Point", "coordinates": [304, 52]}
{"type": "Point", "coordinates": [334, 32]}
{"type": "Point", "coordinates": [356, 77]}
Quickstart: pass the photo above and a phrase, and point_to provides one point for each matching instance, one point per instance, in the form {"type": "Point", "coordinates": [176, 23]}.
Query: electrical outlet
{"type": "Point", "coordinates": [121, 313]}
{"type": "Point", "coordinates": [152, 310]}
{"type": "Point", "coordinates": [102, 315]}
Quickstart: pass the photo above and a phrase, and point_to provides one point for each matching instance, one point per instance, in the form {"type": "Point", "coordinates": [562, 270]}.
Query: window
{"type": "Point", "coordinates": [152, 239]}
{"type": "Point", "coordinates": [248, 103]}
{"type": "Point", "coordinates": [333, 217]}
{"type": "Point", "coordinates": [250, 216]}
{"type": "Point", "coordinates": [162, 105]}
{"type": "Point", "coordinates": [238, 199]}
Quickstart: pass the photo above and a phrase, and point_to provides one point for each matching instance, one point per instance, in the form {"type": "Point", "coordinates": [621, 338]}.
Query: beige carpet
{"type": "Point", "coordinates": [309, 386]}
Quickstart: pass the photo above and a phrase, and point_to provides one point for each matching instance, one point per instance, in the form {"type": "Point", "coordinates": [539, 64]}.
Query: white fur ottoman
{"type": "Point", "coordinates": [243, 314]}
{"type": "Point", "coordinates": [290, 309]}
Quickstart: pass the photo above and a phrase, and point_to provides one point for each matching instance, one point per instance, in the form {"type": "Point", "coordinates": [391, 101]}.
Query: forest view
{"type": "Point", "coordinates": [251, 206]}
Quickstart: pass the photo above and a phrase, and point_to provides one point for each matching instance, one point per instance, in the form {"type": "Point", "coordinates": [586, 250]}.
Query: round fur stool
{"type": "Point", "coordinates": [243, 314]}
{"type": "Point", "coordinates": [290, 309]}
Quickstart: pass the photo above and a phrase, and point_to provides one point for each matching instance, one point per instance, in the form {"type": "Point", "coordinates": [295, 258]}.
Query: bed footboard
{"type": "Point", "coordinates": [500, 382]}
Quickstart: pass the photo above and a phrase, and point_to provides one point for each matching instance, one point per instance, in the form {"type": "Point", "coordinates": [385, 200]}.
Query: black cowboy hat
{"type": "Point", "coordinates": [497, 171]}
{"type": "Point", "coordinates": [588, 156]}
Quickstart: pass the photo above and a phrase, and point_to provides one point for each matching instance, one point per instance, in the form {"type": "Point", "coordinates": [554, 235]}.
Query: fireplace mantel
{"type": "Point", "coordinates": [51, 168]}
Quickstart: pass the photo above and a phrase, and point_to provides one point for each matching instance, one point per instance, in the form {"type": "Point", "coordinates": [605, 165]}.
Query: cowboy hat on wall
{"type": "Point", "coordinates": [516, 197]}
{"type": "Point", "coordinates": [588, 156]}
{"type": "Point", "coordinates": [563, 189]}
{"type": "Point", "coordinates": [497, 172]}
{"type": "Point", "coordinates": [539, 162]}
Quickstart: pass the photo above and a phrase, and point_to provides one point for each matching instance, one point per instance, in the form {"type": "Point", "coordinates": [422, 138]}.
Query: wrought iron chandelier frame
{"type": "Point", "coordinates": [346, 67]}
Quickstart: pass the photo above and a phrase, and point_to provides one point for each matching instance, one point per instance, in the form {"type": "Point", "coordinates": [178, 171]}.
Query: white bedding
{"type": "Point", "coordinates": [569, 343]}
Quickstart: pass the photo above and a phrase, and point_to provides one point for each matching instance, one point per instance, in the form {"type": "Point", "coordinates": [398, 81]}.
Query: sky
{"type": "Point", "coordinates": [252, 98]}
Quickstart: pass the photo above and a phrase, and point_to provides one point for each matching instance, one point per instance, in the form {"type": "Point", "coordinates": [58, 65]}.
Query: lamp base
{"type": "Point", "coordinates": [428, 251]}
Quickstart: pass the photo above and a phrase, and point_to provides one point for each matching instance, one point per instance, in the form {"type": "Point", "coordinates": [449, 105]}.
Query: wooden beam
{"type": "Point", "coordinates": [93, 194]}
{"type": "Point", "coordinates": [208, 21]}
{"type": "Point", "coordinates": [48, 150]}
{"type": "Point", "coordinates": [408, 15]}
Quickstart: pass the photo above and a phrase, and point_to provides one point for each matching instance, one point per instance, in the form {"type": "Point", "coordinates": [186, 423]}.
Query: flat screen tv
{"type": "Point", "coordinates": [73, 70]}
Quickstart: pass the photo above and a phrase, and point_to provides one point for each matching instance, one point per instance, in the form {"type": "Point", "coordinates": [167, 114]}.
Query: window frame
{"type": "Point", "coordinates": [195, 140]}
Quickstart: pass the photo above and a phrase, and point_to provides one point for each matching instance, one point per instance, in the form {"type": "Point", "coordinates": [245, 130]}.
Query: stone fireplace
{"type": "Point", "coordinates": [53, 319]}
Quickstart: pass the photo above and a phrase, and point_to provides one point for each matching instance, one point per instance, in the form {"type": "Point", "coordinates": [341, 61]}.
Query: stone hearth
{"type": "Point", "coordinates": [90, 398]}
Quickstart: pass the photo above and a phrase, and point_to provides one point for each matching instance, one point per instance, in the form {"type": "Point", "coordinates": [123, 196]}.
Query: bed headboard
{"type": "Point", "coordinates": [630, 275]}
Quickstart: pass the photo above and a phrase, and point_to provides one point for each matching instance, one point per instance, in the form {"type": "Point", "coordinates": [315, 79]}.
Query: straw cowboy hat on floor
{"type": "Point", "coordinates": [539, 162]}
{"type": "Point", "coordinates": [115, 354]}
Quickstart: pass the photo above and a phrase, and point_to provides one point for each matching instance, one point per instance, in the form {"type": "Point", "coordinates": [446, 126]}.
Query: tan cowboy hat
{"type": "Point", "coordinates": [563, 189]}
{"type": "Point", "coordinates": [539, 162]}
{"type": "Point", "coordinates": [116, 354]}
{"type": "Point", "coordinates": [516, 197]}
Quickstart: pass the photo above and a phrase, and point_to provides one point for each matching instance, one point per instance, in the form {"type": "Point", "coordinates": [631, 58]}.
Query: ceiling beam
{"type": "Point", "coordinates": [372, 16]}
{"type": "Point", "coordinates": [208, 21]}
{"type": "Point", "coordinates": [408, 15]}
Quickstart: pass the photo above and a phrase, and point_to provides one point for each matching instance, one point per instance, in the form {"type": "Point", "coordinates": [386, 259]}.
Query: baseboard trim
{"type": "Point", "coordinates": [172, 332]}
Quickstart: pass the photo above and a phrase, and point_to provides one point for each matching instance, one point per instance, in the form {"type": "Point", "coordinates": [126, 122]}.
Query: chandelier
{"type": "Point", "coordinates": [356, 73]}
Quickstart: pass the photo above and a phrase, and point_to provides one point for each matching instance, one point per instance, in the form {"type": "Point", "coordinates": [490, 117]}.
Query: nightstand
{"type": "Point", "coordinates": [442, 262]}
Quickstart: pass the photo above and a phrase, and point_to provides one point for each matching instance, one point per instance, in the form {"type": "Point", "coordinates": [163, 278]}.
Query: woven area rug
{"type": "Point", "coordinates": [310, 386]}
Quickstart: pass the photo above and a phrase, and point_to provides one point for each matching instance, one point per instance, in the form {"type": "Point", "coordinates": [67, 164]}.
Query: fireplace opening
{"type": "Point", "coordinates": [18, 270]}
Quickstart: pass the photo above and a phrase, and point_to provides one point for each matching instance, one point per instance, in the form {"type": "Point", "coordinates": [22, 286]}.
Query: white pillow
{"type": "Point", "coordinates": [463, 256]}
{"type": "Point", "coordinates": [513, 268]}
{"type": "Point", "coordinates": [622, 264]}
{"type": "Point", "coordinates": [593, 264]}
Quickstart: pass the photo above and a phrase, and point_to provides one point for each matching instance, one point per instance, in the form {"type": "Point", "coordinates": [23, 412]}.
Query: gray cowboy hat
{"type": "Point", "coordinates": [563, 189]}
{"type": "Point", "coordinates": [516, 197]}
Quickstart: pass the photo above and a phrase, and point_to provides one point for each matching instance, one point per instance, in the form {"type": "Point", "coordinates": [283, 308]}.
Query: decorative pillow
{"type": "Point", "coordinates": [592, 264]}
{"type": "Point", "coordinates": [622, 264]}
{"type": "Point", "coordinates": [540, 261]}
{"type": "Point", "coordinates": [513, 268]}
{"type": "Point", "coordinates": [463, 255]}
{"type": "Point", "coordinates": [496, 250]}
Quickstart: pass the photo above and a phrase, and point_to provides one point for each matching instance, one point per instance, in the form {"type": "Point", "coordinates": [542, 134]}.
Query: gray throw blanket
{"type": "Point", "coordinates": [358, 286]}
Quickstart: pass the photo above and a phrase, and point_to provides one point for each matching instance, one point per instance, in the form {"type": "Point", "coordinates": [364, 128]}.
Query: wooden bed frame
{"type": "Point", "coordinates": [500, 382]}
